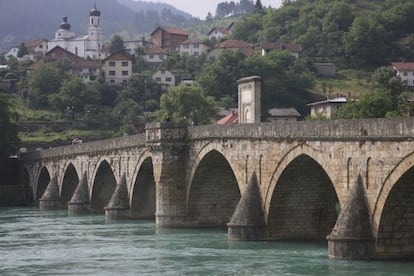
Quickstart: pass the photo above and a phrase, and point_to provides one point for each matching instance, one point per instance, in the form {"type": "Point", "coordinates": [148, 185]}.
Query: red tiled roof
{"type": "Point", "coordinates": [171, 30]}
{"type": "Point", "coordinates": [58, 52]}
{"type": "Point", "coordinates": [403, 66]}
{"type": "Point", "coordinates": [231, 118]}
{"type": "Point", "coordinates": [293, 48]}
{"type": "Point", "coordinates": [118, 56]}
{"type": "Point", "coordinates": [192, 40]}
{"type": "Point", "coordinates": [234, 44]}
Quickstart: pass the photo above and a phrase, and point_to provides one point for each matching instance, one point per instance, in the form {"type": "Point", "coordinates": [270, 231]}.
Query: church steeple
{"type": "Point", "coordinates": [94, 31]}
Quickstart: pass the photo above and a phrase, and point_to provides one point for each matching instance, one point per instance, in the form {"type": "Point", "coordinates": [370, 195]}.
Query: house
{"type": "Point", "coordinates": [36, 49]}
{"type": "Point", "coordinates": [232, 45]}
{"type": "Point", "coordinates": [405, 70]}
{"type": "Point", "coordinates": [283, 114]}
{"type": "Point", "coordinates": [218, 33]}
{"type": "Point", "coordinates": [166, 78]}
{"type": "Point", "coordinates": [293, 49]}
{"type": "Point", "coordinates": [58, 54]}
{"type": "Point", "coordinates": [193, 47]}
{"type": "Point", "coordinates": [131, 45]}
{"type": "Point", "coordinates": [87, 70]}
{"type": "Point", "coordinates": [326, 108]}
{"type": "Point", "coordinates": [86, 46]}
{"type": "Point", "coordinates": [155, 55]}
{"type": "Point", "coordinates": [117, 69]}
{"type": "Point", "coordinates": [168, 37]}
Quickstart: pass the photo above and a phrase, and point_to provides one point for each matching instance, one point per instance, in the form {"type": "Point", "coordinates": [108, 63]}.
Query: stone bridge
{"type": "Point", "coordinates": [268, 181]}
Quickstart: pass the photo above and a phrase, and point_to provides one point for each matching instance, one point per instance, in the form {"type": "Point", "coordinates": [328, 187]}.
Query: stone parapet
{"type": "Point", "coordinates": [367, 129]}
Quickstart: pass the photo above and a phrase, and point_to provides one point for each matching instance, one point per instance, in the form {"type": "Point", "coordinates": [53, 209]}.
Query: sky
{"type": "Point", "coordinates": [200, 8]}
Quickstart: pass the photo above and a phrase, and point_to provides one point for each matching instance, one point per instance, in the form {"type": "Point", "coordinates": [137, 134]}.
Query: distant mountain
{"type": "Point", "coordinates": [159, 7]}
{"type": "Point", "coordinates": [22, 20]}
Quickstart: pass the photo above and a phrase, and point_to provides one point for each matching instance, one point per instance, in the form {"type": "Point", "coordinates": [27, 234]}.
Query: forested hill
{"type": "Point", "coordinates": [22, 20]}
{"type": "Point", "coordinates": [352, 32]}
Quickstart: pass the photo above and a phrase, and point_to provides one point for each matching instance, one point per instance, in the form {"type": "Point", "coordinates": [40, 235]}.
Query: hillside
{"type": "Point", "coordinates": [22, 20]}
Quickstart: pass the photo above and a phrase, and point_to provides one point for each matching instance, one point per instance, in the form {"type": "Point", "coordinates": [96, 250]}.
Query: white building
{"type": "Point", "coordinates": [164, 77]}
{"type": "Point", "coordinates": [405, 70]}
{"type": "Point", "coordinates": [326, 108]}
{"type": "Point", "coordinates": [89, 45]}
{"type": "Point", "coordinates": [193, 47]}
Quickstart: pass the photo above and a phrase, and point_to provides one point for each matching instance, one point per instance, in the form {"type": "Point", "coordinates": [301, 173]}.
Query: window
{"type": "Point", "coordinates": [185, 46]}
{"type": "Point", "coordinates": [125, 73]}
{"type": "Point", "coordinates": [168, 79]}
{"type": "Point", "coordinates": [196, 45]}
{"type": "Point", "coordinates": [111, 73]}
{"type": "Point", "coordinates": [125, 63]}
{"type": "Point", "coordinates": [112, 81]}
{"type": "Point", "coordinates": [158, 79]}
{"type": "Point", "coordinates": [196, 53]}
{"type": "Point", "coordinates": [151, 56]}
{"type": "Point", "coordinates": [404, 73]}
{"type": "Point", "coordinates": [160, 56]}
{"type": "Point", "coordinates": [111, 63]}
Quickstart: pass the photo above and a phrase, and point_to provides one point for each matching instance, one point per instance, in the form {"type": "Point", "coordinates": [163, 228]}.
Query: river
{"type": "Point", "coordinates": [34, 242]}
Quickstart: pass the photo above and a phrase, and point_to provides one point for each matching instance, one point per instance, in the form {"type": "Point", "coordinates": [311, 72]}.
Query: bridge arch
{"type": "Point", "coordinates": [302, 200]}
{"type": "Point", "coordinates": [103, 186]}
{"type": "Point", "coordinates": [143, 189]}
{"type": "Point", "coordinates": [70, 181]}
{"type": "Point", "coordinates": [42, 181]}
{"type": "Point", "coordinates": [393, 216]}
{"type": "Point", "coordinates": [213, 190]}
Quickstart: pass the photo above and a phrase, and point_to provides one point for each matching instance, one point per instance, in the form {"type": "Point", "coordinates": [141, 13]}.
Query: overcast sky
{"type": "Point", "coordinates": [200, 8]}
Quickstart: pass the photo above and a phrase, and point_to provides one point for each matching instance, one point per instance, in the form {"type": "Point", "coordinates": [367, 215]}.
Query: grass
{"type": "Point", "coordinates": [347, 83]}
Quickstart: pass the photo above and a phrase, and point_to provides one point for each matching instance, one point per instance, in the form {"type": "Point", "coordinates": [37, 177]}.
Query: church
{"type": "Point", "coordinates": [88, 46]}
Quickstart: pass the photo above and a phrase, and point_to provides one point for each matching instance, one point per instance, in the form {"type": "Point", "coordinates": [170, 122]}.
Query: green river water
{"type": "Point", "coordinates": [34, 242]}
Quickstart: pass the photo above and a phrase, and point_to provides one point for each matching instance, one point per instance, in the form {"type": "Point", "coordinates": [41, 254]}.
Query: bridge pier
{"type": "Point", "coordinates": [118, 206]}
{"type": "Point", "coordinates": [50, 199]}
{"type": "Point", "coordinates": [247, 222]}
{"type": "Point", "coordinates": [167, 142]}
{"type": "Point", "coordinates": [351, 237]}
{"type": "Point", "coordinates": [79, 203]}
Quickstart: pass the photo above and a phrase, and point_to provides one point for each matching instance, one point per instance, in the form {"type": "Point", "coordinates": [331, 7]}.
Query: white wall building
{"type": "Point", "coordinates": [405, 70]}
{"type": "Point", "coordinates": [164, 77]}
{"type": "Point", "coordinates": [89, 45]}
{"type": "Point", "coordinates": [193, 47]}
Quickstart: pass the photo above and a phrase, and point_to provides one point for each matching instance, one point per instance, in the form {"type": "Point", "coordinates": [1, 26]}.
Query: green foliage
{"type": "Point", "coordinates": [22, 50]}
{"type": "Point", "coordinates": [284, 80]}
{"type": "Point", "coordinates": [42, 82]}
{"type": "Point", "coordinates": [116, 45]}
{"type": "Point", "coordinates": [249, 29]}
{"type": "Point", "coordinates": [188, 103]}
{"type": "Point", "coordinates": [75, 98]}
{"type": "Point", "coordinates": [9, 140]}
{"type": "Point", "coordinates": [375, 104]}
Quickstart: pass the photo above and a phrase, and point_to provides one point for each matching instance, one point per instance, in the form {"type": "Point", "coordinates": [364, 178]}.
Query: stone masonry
{"type": "Point", "coordinates": [195, 176]}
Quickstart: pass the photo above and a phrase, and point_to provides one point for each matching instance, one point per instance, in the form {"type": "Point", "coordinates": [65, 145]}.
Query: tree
{"type": "Point", "coordinates": [22, 50]}
{"type": "Point", "coordinates": [73, 97]}
{"type": "Point", "coordinates": [116, 45]}
{"type": "Point", "coordinates": [366, 41]}
{"type": "Point", "coordinates": [385, 79]}
{"type": "Point", "coordinates": [9, 140]}
{"type": "Point", "coordinates": [249, 29]}
{"type": "Point", "coordinates": [42, 82]}
{"type": "Point", "coordinates": [188, 103]}
{"type": "Point", "coordinates": [258, 7]}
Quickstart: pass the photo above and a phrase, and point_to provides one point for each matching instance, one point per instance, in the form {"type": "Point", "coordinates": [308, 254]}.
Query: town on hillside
{"type": "Point", "coordinates": [136, 81]}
